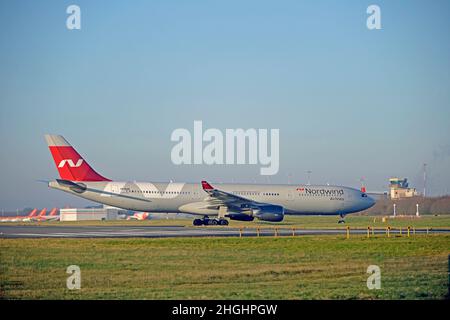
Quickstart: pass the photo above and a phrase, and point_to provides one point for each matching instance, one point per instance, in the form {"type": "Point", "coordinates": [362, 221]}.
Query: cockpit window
{"type": "Point", "coordinates": [364, 195]}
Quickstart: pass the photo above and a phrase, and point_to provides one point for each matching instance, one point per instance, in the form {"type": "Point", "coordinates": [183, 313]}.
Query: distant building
{"type": "Point", "coordinates": [79, 214]}
{"type": "Point", "coordinates": [399, 188]}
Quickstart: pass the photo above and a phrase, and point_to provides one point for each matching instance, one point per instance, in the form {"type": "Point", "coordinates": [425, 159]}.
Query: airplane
{"type": "Point", "coordinates": [35, 217]}
{"type": "Point", "coordinates": [52, 216]}
{"type": "Point", "coordinates": [244, 202]}
{"type": "Point", "coordinates": [19, 218]}
{"type": "Point", "coordinates": [139, 216]}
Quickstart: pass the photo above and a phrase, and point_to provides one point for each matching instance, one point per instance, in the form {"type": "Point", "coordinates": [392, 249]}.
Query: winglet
{"type": "Point", "coordinates": [206, 186]}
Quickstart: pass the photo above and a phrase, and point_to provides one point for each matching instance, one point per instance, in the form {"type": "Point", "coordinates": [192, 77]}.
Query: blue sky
{"type": "Point", "coordinates": [349, 102]}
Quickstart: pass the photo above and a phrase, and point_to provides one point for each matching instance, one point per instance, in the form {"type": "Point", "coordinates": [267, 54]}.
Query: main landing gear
{"type": "Point", "coordinates": [341, 220]}
{"type": "Point", "coordinates": [210, 222]}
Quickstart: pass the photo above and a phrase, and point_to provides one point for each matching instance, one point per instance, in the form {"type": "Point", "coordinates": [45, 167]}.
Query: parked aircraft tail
{"type": "Point", "coordinates": [70, 165]}
{"type": "Point", "coordinates": [43, 212]}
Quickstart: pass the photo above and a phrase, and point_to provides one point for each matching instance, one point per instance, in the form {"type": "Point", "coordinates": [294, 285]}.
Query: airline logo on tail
{"type": "Point", "coordinates": [70, 163]}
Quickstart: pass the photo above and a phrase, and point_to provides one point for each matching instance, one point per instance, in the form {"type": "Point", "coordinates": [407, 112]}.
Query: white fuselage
{"type": "Point", "coordinates": [191, 198]}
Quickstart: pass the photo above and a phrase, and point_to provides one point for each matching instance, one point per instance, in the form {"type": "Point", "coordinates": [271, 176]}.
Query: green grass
{"type": "Point", "coordinates": [306, 267]}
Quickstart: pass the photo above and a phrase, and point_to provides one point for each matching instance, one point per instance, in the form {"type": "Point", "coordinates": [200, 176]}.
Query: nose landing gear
{"type": "Point", "coordinates": [210, 222]}
{"type": "Point", "coordinates": [341, 220]}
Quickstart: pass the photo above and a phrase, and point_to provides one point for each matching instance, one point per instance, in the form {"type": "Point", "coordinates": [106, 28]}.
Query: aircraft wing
{"type": "Point", "coordinates": [230, 200]}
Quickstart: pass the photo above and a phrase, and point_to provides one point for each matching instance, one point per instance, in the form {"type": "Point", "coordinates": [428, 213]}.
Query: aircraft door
{"type": "Point", "coordinates": [115, 188]}
{"type": "Point", "coordinates": [348, 199]}
{"type": "Point", "coordinates": [290, 195]}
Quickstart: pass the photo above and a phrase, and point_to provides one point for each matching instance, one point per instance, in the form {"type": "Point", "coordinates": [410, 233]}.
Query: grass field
{"type": "Point", "coordinates": [306, 267]}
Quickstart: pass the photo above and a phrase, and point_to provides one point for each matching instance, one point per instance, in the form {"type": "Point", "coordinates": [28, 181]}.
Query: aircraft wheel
{"type": "Point", "coordinates": [223, 222]}
{"type": "Point", "coordinates": [197, 222]}
{"type": "Point", "coordinates": [214, 222]}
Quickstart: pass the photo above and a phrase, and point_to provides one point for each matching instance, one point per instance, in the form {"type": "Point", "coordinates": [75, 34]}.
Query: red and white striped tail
{"type": "Point", "coordinates": [43, 212]}
{"type": "Point", "coordinates": [70, 165]}
{"type": "Point", "coordinates": [32, 213]}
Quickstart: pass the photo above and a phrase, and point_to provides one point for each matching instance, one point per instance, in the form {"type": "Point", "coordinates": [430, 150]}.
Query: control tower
{"type": "Point", "coordinates": [399, 188]}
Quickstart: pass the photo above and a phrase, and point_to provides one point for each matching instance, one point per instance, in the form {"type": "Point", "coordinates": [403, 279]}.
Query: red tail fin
{"type": "Point", "coordinates": [70, 164]}
{"type": "Point", "coordinates": [53, 212]}
{"type": "Point", "coordinates": [206, 185]}
{"type": "Point", "coordinates": [32, 213]}
{"type": "Point", "coordinates": [43, 212]}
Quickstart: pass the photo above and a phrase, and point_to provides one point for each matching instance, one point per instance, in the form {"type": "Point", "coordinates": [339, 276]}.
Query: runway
{"type": "Point", "coordinates": [176, 231]}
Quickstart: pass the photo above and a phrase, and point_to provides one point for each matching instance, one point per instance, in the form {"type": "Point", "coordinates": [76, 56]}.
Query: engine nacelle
{"type": "Point", "coordinates": [269, 212]}
{"type": "Point", "coordinates": [240, 216]}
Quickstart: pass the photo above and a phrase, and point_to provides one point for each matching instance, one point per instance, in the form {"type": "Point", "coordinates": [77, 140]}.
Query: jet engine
{"type": "Point", "coordinates": [240, 216]}
{"type": "Point", "coordinates": [269, 212]}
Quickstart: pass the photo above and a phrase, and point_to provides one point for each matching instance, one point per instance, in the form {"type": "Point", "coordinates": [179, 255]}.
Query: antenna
{"type": "Point", "coordinates": [309, 177]}
{"type": "Point", "coordinates": [424, 179]}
